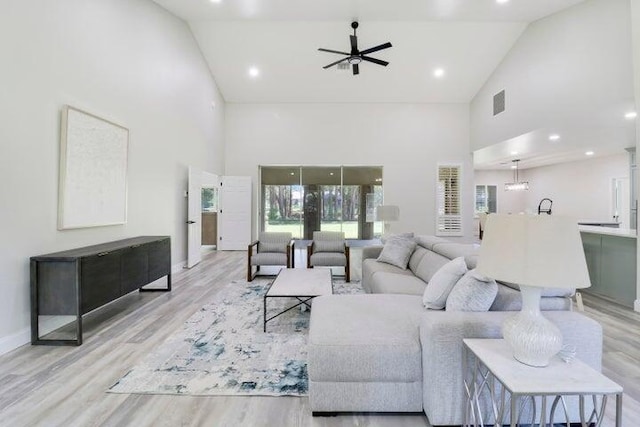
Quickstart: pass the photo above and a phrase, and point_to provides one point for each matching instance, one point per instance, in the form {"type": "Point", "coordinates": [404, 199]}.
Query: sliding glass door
{"type": "Point", "coordinates": [304, 199]}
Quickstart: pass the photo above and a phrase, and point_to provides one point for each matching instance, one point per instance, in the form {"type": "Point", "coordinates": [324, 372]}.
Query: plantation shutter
{"type": "Point", "coordinates": [449, 215]}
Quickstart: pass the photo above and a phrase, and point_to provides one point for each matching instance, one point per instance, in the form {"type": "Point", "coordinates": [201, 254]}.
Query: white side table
{"type": "Point", "coordinates": [494, 373]}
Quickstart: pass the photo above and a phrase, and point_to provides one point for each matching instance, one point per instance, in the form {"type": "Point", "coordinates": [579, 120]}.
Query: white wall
{"type": "Point", "coordinates": [565, 67]}
{"type": "Point", "coordinates": [580, 189]}
{"type": "Point", "coordinates": [129, 61]}
{"type": "Point", "coordinates": [635, 22]}
{"type": "Point", "coordinates": [406, 139]}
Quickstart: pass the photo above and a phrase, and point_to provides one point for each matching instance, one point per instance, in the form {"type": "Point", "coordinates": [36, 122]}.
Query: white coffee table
{"type": "Point", "coordinates": [494, 364]}
{"type": "Point", "coordinates": [301, 284]}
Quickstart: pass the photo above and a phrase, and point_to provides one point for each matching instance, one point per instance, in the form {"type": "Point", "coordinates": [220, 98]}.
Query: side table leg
{"type": "Point", "coordinates": [618, 410]}
{"type": "Point", "coordinates": [514, 414]}
{"type": "Point", "coordinates": [264, 311]}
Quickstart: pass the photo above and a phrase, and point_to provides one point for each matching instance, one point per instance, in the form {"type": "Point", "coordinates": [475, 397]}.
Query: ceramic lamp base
{"type": "Point", "coordinates": [533, 339]}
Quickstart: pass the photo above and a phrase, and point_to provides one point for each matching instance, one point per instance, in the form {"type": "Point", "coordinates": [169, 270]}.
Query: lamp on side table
{"type": "Point", "coordinates": [533, 252]}
{"type": "Point", "coordinates": [386, 214]}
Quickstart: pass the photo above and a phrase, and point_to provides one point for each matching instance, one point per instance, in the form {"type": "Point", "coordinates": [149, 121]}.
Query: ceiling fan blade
{"type": "Point", "coordinates": [356, 69]}
{"type": "Point", "coordinates": [333, 51]}
{"type": "Point", "coordinates": [375, 61]}
{"type": "Point", "coordinates": [335, 63]}
{"type": "Point", "coordinates": [354, 43]}
{"type": "Point", "coordinates": [387, 45]}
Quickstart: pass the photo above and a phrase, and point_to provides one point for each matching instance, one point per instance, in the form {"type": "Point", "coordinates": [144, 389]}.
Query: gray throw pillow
{"type": "Point", "coordinates": [328, 246]}
{"type": "Point", "coordinates": [438, 289]}
{"type": "Point", "coordinates": [408, 235]}
{"type": "Point", "coordinates": [473, 292]}
{"type": "Point", "coordinates": [397, 251]}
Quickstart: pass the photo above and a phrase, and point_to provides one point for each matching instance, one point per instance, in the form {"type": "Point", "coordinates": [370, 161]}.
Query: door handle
{"type": "Point", "coordinates": [191, 222]}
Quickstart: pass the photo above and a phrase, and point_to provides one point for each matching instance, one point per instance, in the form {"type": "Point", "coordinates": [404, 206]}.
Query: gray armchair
{"type": "Point", "coordinates": [271, 248]}
{"type": "Point", "coordinates": [329, 249]}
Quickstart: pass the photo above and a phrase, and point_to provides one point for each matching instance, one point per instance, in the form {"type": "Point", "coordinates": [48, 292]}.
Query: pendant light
{"type": "Point", "coordinates": [516, 185]}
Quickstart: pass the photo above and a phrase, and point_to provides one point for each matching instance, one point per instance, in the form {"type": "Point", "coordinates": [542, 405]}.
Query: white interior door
{"type": "Point", "coordinates": [234, 216]}
{"type": "Point", "coordinates": [194, 216]}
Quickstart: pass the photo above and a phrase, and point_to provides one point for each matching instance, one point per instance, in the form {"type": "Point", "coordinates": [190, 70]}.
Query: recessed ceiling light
{"type": "Point", "coordinates": [331, 173]}
{"type": "Point", "coordinates": [216, 1]}
{"type": "Point", "coordinates": [514, 153]}
{"type": "Point", "coordinates": [254, 72]}
{"type": "Point", "coordinates": [631, 115]}
{"type": "Point", "coordinates": [554, 137]}
{"type": "Point", "coordinates": [438, 73]}
{"type": "Point", "coordinates": [502, 1]}
{"type": "Point", "coordinates": [514, 167]}
{"type": "Point", "coordinates": [589, 153]}
{"type": "Point", "coordinates": [292, 173]}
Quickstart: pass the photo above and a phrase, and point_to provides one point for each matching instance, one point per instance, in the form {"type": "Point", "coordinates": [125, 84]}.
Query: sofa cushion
{"type": "Point", "coordinates": [438, 289]}
{"type": "Point", "coordinates": [509, 299]}
{"type": "Point", "coordinates": [371, 267]}
{"type": "Point", "coordinates": [272, 247]}
{"type": "Point", "coordinates": [328, 246]}
{"type": "Point", "coordinates": [430, 263]}
{"type": "Point", "coordinates": [372, 338]}
{"type": "Point", "coordinates": [269, 258]}
{"type": "Point", "coordinates": [455, 250]}
{"type": "Point", "coordinates": [391, 283]}
{"type": "Point", "coordinates": [428, 242]}
{"type": "Point", "coordinates": [328, 259]}
{"type": "Point", "coordinates": [416, 258]}
{"type": "Point", "coordinates": [473, 292]}
{"type": "Point", "coordinates": [397, 251]}
{"type": "Point", "coordinates": [546, 292]}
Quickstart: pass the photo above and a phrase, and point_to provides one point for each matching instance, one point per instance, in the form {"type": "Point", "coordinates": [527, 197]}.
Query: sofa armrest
{"type": "Point", "coordinates": [441, 335]}
{"type": "Point", "coordinates": [369, 252]}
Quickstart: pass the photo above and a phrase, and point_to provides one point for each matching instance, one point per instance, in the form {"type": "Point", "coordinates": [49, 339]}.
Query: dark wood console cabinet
{"type": "Point", "coordinates": [77, 281]}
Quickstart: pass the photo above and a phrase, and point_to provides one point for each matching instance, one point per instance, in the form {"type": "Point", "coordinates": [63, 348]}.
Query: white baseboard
{"type": "Point", "coordinates": [636, 305]}
{"type": "Point", "coordinates": [176, 268]}
{"type": "Point", "coordinates": [14, 341]}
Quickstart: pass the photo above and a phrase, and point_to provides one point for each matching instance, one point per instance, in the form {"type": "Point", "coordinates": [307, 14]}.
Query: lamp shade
{"type": "Point", "coordinates": [387, 213]}
{"type": "Point", "coordinates": [540, 251]}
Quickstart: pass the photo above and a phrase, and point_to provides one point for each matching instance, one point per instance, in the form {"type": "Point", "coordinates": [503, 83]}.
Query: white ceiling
{"type": "Point", "coordinates": [365, 10]}
{"type": "Point", "coordinates": [467, 38]}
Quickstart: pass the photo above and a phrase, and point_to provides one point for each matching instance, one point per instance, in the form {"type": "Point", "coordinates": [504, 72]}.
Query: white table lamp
{"type": "Point", "coordinates": [386, 214]}
{"type": "Point", "coordinates": [533, 252]}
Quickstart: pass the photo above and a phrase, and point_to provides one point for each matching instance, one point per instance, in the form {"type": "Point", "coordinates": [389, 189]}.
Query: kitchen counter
{"type": "Point", "coordinates": [619, 232]}
{"type": "Point", "coordinates": [612, 262]}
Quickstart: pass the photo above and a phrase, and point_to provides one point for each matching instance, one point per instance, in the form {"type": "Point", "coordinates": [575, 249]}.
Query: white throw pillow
{"type": "Point", "coordinates": [473, 292]}
{"type": "Point", "coordinates": [438, 289]}
{"type": "Point", "coordinates": [397, 251]}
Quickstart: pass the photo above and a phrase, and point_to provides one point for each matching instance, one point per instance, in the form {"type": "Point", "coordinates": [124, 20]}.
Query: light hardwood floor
{"type": "Point", "coordinates": [65, 386]}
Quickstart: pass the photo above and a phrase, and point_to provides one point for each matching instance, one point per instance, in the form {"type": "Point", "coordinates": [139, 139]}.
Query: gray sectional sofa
{"type": "Point", "coordinates": [385, 352]}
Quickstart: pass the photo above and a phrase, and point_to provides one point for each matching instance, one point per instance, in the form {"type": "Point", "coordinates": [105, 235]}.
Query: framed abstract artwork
{"type": "Point", "coordinates": [93, 171]}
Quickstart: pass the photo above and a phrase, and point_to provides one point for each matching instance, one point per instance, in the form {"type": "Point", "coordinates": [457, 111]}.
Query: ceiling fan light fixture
{"type": "Point", "coordinates": [356, 56]}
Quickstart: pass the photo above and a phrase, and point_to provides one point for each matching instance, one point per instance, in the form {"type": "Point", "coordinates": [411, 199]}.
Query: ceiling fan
{"type": "Point", "coordinates": [356, 57]}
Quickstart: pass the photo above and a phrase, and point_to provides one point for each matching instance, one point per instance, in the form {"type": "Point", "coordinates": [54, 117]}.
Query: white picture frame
{"type": "Point", "coordinates": [93, 171]}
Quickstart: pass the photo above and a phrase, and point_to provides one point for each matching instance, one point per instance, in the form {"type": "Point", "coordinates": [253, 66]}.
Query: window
{"type": "Point", "coordinates": [448, 215]}
{"type": "Point", "coordinates": [304, 199]}
{"type": "Point", "coordinates": [486, 199]}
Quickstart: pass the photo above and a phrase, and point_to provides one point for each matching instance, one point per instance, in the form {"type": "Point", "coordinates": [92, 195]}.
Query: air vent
{"type": "Point", "coordinates": [498, 103]}
{"type": "Point", "coordinates": [343, 66]}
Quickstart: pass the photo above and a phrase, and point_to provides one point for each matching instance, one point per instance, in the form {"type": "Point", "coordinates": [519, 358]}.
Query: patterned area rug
{"type": "Point", "coordinates": [221, 349]}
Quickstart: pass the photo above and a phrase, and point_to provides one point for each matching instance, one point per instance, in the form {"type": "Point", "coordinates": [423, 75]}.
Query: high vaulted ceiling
{"type": "Point", "coordinates": [467, 38]}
